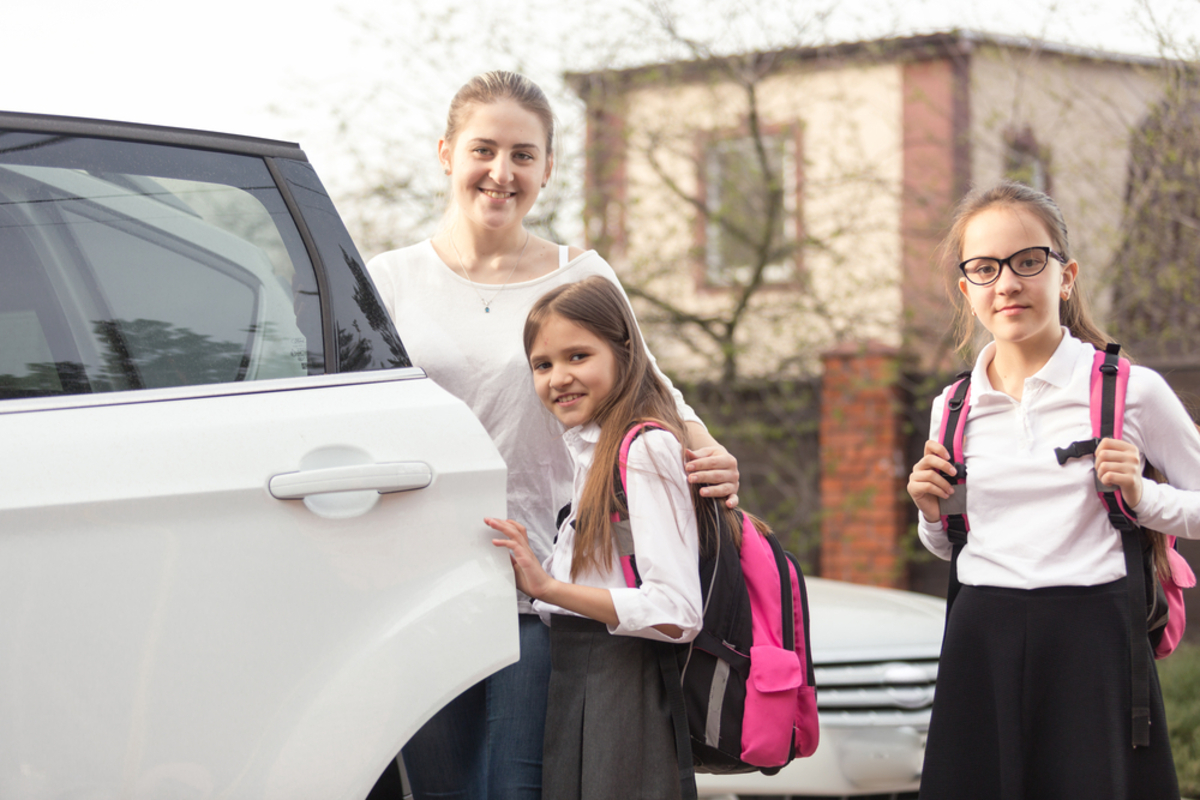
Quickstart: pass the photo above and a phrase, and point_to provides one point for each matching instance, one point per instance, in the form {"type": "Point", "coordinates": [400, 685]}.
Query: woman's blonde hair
{"type": "Point", "coordinates": [637, 395]}
{"type": "Point", "coordinates": [1072, 312]}
{"type": "Point", "coordinates": [492, 87]}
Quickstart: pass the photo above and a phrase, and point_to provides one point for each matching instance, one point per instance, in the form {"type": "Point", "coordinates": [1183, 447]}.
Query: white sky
{"type": "Point", "coordinates": [290, 70]}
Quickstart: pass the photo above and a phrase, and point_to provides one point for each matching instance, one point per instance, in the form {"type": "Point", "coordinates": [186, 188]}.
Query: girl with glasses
{"type": "Point", "coordinates": [1033, 697]}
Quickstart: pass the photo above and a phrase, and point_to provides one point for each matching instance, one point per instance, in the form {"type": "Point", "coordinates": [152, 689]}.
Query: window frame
{"type": "Point", "coordinates": [791, 134]}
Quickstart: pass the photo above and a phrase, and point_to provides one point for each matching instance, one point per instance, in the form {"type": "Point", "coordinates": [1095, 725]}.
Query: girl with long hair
{"type": "Point", "coordinates": [1033, 696]}
{"type": "Point", "coordinates": [609, 731]}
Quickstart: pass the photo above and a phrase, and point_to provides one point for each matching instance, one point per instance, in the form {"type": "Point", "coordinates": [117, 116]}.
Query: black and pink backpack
{"type": "Point", "coordinates": [1156, 601]}
{"type": "Point", "coordinates": [748, 698]}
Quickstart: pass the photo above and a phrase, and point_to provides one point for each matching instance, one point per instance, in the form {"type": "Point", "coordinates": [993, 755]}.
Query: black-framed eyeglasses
{"type": "Point", "coordinates": [1025, 263]}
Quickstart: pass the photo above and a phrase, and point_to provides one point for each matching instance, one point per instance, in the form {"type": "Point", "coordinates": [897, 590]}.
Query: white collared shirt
{"type": "Point", "coordinates": [1035, 523]}
{"type": "Point", "coordinates": [665, 539]}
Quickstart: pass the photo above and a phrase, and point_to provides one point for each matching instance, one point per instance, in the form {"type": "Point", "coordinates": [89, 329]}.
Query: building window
{"type": "Point", "coordinates": [737, 196]}
{"type": "Point", "coordinates": [1025, 160]}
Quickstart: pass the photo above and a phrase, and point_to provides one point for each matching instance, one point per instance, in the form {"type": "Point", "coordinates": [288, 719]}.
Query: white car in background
{"type": "Point", "coordinates": [875, 652]}
{"type": "Point", "coordinates": [241, 542]}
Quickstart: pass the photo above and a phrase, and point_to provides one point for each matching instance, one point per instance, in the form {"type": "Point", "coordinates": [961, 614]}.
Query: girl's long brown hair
{"type": "Point", "coordinates": [1072, 312]}
{"type": "Point", "coordinates": [637, 395]}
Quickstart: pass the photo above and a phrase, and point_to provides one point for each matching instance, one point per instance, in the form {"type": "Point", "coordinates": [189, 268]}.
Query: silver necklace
{"type": "Point", "coordinates": [487, 303]}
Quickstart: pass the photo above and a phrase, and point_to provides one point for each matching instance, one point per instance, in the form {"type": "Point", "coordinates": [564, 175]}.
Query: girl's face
{"type": "Point", "coordinates": [574, 370]}
{"type": "Point", "coordinates": [1015, 309]}
{"type": "Point", "coordinates": [498, 163]}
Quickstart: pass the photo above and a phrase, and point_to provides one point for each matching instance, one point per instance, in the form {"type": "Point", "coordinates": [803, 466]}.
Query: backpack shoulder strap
{"type": "Point", "coordinates": [954, 509]}
{"type": "Point", "coordinates": [954, 423]}
{"type": "Point", "coordinates": [1106, 403]}
{"type": "Point", "coordinates": [620, 521]}
{"type": "Point", "coordinates": [1110, 381]}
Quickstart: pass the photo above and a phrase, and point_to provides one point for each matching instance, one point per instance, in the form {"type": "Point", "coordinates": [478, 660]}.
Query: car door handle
{"type": "Point", "coordinates": [399, 476]}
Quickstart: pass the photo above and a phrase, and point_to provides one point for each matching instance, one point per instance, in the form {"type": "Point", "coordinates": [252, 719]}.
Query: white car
{"type": "Point", "coordinates": [875, 653]}
{"type": "Point", "coordinates": [241, 542]}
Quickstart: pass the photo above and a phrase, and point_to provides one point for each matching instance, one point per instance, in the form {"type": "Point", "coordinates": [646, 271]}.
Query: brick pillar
{"type": "Point", "coordinates": [862, 477]}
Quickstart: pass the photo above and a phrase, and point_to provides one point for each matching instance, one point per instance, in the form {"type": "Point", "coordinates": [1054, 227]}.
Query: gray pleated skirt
{"type": "Point", "coordinates": [608, 722]}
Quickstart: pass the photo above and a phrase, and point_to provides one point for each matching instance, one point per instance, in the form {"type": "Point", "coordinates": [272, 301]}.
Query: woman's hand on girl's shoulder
{"type": "Point", "coordinates": [927, 484]}
{"type": "Point", "coordinates": [1119, 464]}
{"type": "Point", "coordinates": [532, 578]}
{"type": "Point", "coordinates": [716, 467]}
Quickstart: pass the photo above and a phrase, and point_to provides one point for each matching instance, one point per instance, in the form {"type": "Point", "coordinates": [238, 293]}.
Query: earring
{"type": "Point", "coordinates": [447, 170]}
{"type": "Point", "coordinates": [544, 184]}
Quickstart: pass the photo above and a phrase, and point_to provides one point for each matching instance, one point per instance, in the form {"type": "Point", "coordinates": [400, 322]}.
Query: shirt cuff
{"type": "Point", "coordinates": [635, 618]}
{"type": "Point", "coordinates": [933, 536]}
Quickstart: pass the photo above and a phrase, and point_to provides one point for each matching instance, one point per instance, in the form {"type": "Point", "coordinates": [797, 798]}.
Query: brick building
{"type": "Point", "coordinates": [868, 146]}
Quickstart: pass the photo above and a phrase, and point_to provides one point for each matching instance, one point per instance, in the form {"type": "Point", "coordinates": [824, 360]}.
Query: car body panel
{"type": "Point", "coordinates": [158, 595]}
{"type": "Point", "coordinates": [171, 628]}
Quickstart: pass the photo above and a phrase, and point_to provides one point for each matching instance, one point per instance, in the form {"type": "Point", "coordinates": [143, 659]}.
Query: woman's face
{"type": "Point", "coordinates": [498, 163]}
{"type": "Point", "coordinates": [1015, 309]}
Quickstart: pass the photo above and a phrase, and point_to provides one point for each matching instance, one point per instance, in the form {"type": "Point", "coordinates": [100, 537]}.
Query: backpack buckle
{"type": "Point", "coordinates": [1079, 449]}
{"type": "Point", "coordinates": [1121, 522]}
{"type": "Point", "coordinates": [960, 473]}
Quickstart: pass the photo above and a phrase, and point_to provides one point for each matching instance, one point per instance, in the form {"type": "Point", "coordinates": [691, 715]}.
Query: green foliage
{"type": "Point", "coordinates": [1180, 678]}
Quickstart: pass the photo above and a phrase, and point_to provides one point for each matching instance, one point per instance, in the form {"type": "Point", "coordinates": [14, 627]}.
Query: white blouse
{"type": "Point", "coordinates": [1035, 523]}
{"type": "Point", "coordinates": [665, 539]}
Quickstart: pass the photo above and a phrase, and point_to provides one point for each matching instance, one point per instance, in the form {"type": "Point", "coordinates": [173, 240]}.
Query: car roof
{"type": "Point", "coordinates": [158, 134]}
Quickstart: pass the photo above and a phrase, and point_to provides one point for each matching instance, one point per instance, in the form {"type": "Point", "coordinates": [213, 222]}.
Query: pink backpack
{"type": "Point", "coordinates": [747, 699]}
{"type": "Point", "coordinates": [1155, 600]}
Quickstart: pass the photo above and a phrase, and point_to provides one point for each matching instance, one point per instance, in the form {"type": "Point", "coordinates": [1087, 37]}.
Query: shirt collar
{"type": "Point", "coordinates": [1056, 372]}
{"type": "Point", "coordinates": [582, 437]}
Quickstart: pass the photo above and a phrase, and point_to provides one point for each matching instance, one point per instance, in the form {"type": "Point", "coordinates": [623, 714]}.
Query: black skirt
{"type": "Point", "coordinates": [1033, 701]}
{"type": "Point", "coordinates": [608, 722]}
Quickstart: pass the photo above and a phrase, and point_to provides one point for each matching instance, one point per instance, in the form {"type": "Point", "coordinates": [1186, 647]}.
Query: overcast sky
{"type": "Point", "coordinates": [290, 70]}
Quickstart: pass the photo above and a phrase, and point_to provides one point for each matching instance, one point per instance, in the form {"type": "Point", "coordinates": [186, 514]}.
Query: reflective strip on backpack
{"type": "Point", "coordinates": [716, 701]}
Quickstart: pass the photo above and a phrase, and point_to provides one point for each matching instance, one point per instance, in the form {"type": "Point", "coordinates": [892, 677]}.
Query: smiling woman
{"type": "Point", "coordinates": [460, 300]}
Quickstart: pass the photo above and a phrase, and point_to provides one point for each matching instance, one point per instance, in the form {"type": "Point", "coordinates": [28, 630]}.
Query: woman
{"type": "Point", "coordinates": [1033, 697]}
{"type": "Point", "coordinates": [459, 301]}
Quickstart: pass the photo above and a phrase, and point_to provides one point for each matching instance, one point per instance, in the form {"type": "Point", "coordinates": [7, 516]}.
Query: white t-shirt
{"type": "Point", "coordinates": [1035, 523]}
{"type": "Point", "coordinates": [480, 358]}
{"type": "Point", "coordinates": [665, 540]}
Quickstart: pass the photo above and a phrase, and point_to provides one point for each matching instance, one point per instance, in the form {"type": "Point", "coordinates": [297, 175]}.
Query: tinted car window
{"type": "Point", "coordinates": [365, 336]}
{"type": "Point", "coordinates": [130, 266]}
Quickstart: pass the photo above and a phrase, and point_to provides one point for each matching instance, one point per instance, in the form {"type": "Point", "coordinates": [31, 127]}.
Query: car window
{"type": "Point", "coordinates": [130, 266]}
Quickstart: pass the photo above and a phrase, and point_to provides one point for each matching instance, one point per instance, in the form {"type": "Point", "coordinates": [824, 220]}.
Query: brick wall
{"type": "Point", "coordinates": [862, 474]}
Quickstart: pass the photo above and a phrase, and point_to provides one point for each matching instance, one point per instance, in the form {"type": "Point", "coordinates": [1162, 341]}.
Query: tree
{"type": "Point", "coordinates": [1156, 311]}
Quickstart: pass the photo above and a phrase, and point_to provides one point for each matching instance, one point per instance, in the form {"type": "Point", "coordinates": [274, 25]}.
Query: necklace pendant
{"type": "Point", "coordinates": [487, 309]}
